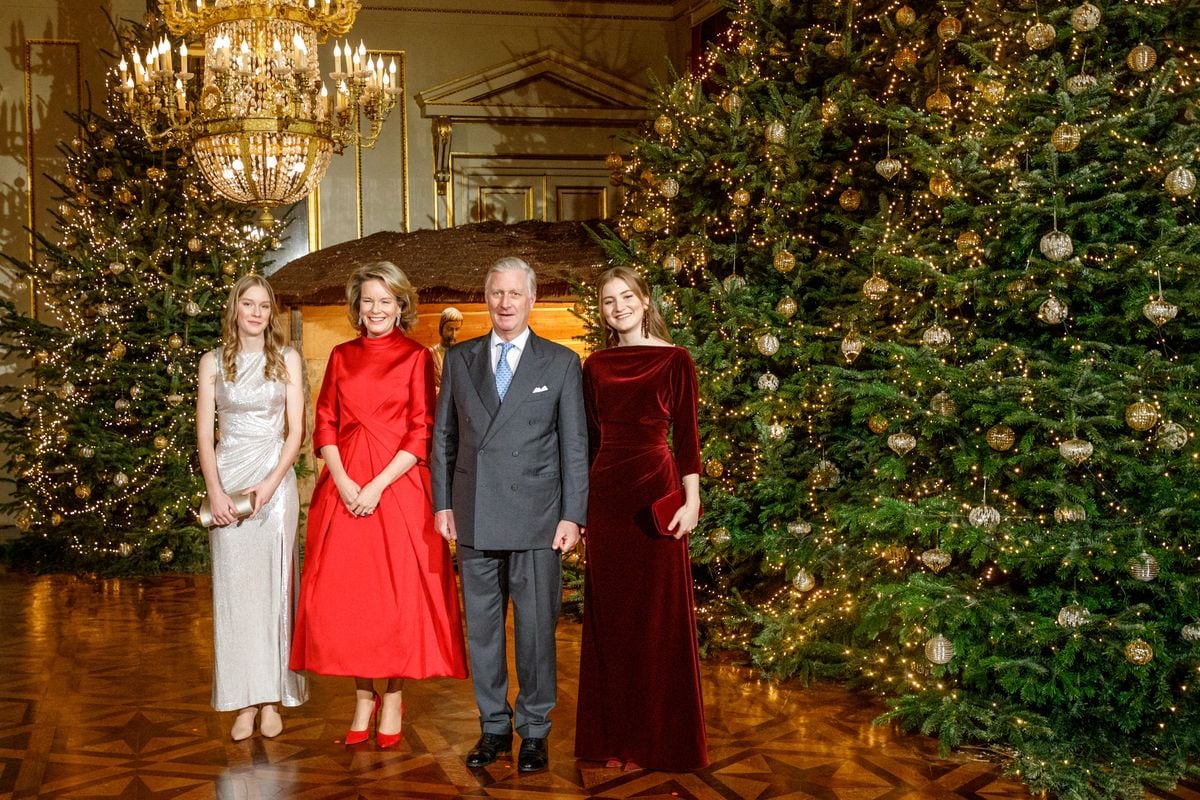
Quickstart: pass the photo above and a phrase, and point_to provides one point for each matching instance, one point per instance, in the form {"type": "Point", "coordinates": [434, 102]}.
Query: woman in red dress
{"type": "Point", "coordinates": [377, 594]}
{"type": "Point", "coordinates": [640, 703]}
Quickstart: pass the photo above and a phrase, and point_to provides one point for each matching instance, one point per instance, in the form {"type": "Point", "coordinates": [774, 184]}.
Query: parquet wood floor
{"type": "Point", "coordinates": [104, 693]}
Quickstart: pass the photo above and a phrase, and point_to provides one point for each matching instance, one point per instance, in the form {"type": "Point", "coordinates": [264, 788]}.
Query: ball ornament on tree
{"type": "Point", "coordinates": [875, 288]}
{"type": "Point", "coordinates": [775, 132]}
{"type": "Point", "coordinates": [943, 405]}
{"type": "Point", "coordinates": [24, 520]}
{"type": "Point", "coordinates": [768, 382]}
{"type": "Point", "coordinates": [733, 283]}
{"type": "Point", "coordinates": [799, 527]}
{"type": "Point", "coordinates": [613, 162]}
{"type": "Point", "coordinates": [835, 49]}
{"type": "Point", "coordinates": [1180, 182]}
{"type": "Point", "coordinates": [1073, 616]}
{"type": "Point", "coordinates": [877, 423]}
{"type": "Point", "coordinates": [786, 307]}
{"type": "Point", "coordinates": [905, 16]}
{"type": "Point", "coordinates": [777, 431]}
{"type": "Point", "coordinates": [161, 442]}
{"type": "Point", "coordinates": [936, 559]}
{"type": "Point", "coordinates": [850, 199]}
{"type": "Point", "coordinates": [939, 650]}
{"type": "Point", "coordinates": [768, 344]}
{"type": "Point", "coordinates": [1075, 451]}
{"type": "Point", "coordinates": [121, 404]}
{"type": "Point", "coordinates": [1085, 17]}
{"type": "Point", "coordinates": [104, 174]}
{"type": "Point", "coordinates": [936, 337]}
{"type": "Point", "coordinates": [83, 491]}
{"type": "Point", "coordinates": [166, 555]}
{"type": "Point", "coordinates": [1144, 567]}
{"type": "Point", "coordinates": [174, 341]}
{"type": "Point", "coordinates": [937, 102]}
{"type": "Point", "coordinates": [852, 346]}
{"type": "Point", "coordinates": [1040, 36]}
{"type": "Point", "coordinates": [1068, 513]}
{"type": "Point", "coordinates": [1190, 632]}
{"type": "Point", "coordinates": [804, 581]}
{"type": "Point", "coordinates": [993, 91]}
{"type": "Point", "coordinates": [663, 125]}
{"type": "Point", "coordinates": [949, 29]}
{"type": "Point", "coordinates": [896, 555]}
{"type": "Point", "coordinates": [714, 468]}
{"type": "Point", "coordinates": [1171, 436]}
{"type": "Point", "coordinates": [968, 242]}
{"type": "Point", "coordinates": [784, 261]}
{"type": "Point", "coordinates": [1139, 652]}
{"type": "Point", "coordinates": [901, 442]}
{"type": "Point", "coordinates": [669, 188]}
{"type": "Point", "coordinates": [123, 195]}
{"type": "Point", "coordinates": [824, 475]}
{"type": "Point", "coordinates": [1141, 416]}
{"type": "Point", "coordinates": [888, 168]}
{"type": "Point", "coordinates": [1078, 84]}
{"type": "Point", "coordinates": [940, 185]}
{"type": "Point", "coordinates": [719, 536]}
{"type": "Point", "coordinates": [641, 224]}
{"type": "Point", "coordinates": [830, 110]}
{"type": "Point", "coordinates": [1000, 437]}
{"type": "Point", "coordinates": [731, 102]}
{"type": "Point", "coordinates": [1053, 311]}
{"type": "Point", "coordinates": [1159, 311]}
{"type": "Point", "coordinates": [740, 198]}
{"type": "Point", "coordinates": [174, 399]}
{"type": "Point", "coordinates": [120, 480]}
{"type": "Point", "coordinates": [1065, 137]}
{"type": "Point", "coordinates": [87, 451]}
{"type": "Point", "coordinates": [1056, 245]}
{"type": "Point", "coordinates": [1141, 58]}
{"type": "Point", "coordinates": [984, 517]}
{"type": "Point", "coordinates": [905, 58]}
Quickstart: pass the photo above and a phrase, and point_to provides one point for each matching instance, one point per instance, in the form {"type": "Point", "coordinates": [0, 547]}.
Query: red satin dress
{"type": "Point", "coordinates": [639, 671]}
{"type": "Point", "coordinates": [377, 593]}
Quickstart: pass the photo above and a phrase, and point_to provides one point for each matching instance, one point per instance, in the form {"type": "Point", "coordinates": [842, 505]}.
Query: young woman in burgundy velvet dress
{"type": "Point", "coordinates": [640, 703]}
{"type": "Point", "coordinates": [377, 596]}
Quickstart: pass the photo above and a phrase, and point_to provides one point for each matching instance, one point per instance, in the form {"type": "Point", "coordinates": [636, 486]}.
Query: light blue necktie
{"type": "Point", "coordinates": [504, 373]}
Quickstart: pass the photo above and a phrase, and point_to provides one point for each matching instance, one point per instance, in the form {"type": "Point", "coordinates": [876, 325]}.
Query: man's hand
{"type": "Point", "coordinates": [566, 536]}
{"type": "Point", "coordinates": [443, 522]}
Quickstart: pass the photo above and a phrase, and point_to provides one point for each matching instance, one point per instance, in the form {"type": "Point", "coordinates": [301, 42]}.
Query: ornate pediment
{"type": "Point", "coordinates": [542, 87]}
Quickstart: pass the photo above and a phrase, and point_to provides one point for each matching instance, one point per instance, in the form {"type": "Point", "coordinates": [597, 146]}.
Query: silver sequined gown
{"type": "Point", "coordinates": [255, 565]}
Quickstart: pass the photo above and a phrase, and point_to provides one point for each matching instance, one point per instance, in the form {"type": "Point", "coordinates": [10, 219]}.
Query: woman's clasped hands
{"type": "Point", "coordinates": [361, 501]}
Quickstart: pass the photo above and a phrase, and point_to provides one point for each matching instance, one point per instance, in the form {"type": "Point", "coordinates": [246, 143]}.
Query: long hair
{"type": "Point", "coordinates": [396, 282]}
{"type": "Point", "coordinates": [653, 324]}
{"type": "Point", "coordinates": [274, 336]}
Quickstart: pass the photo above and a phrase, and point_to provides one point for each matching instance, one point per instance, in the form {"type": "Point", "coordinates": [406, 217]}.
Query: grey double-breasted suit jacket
{"type": "Point", "coordinates": [510, 471]}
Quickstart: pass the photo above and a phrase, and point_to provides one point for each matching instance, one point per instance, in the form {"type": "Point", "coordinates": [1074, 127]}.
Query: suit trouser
{"type": "Point", "coordinates": [533, 579]}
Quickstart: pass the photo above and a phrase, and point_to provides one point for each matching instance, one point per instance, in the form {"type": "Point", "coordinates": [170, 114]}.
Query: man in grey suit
{"type": "Point", "coordinates": [510, 485]}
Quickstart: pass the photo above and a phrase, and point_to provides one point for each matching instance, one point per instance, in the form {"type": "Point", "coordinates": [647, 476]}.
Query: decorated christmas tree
{"type": "Point", "coordinates": [948, 407]}
{"type": "Point", "coordinates": [132, 283]}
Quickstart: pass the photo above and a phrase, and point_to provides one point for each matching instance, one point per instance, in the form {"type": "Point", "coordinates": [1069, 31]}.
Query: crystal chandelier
{"type": "Point", "coordinates": [260, 123]}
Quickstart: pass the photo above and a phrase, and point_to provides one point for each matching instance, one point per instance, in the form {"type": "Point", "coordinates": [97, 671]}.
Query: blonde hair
{"type": "Point", "coordinates": [396, 282]}
{"type": "Point", "coordinates": [654, 324]}
{"type": "Point", "coordinates": [274, 336]}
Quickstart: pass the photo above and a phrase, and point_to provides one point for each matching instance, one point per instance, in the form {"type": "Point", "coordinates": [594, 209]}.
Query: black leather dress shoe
{"type": "Point", "coordinates": [534, 755]}
{"type": "Point", "coordinates": [488, 747]}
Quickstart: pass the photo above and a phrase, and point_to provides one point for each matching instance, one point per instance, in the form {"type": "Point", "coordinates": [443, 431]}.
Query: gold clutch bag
{"type": "Point", "coordinates": [243, 504]}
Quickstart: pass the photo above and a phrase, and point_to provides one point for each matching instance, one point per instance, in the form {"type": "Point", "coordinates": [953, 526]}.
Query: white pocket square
{"type": "Point", "coordinates": [541, 389]}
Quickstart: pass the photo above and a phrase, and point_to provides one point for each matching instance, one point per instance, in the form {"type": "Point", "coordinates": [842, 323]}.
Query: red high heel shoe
{"type": "Point", "coordinates": [358, 737]}
{"type": "Point", "coordinates": [391, 739]}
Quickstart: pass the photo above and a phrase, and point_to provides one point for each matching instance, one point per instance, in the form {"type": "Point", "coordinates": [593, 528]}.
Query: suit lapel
{"type": "Point", "coordinates": [482, 377]}
{"type": "Point", "coordinates": [529, 371]}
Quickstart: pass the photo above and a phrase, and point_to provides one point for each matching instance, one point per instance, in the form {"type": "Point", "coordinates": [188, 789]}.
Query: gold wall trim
{"type": "Point", "coordinates": [314, 219]}
{"type": "Point", "coordinates": [30, 174]}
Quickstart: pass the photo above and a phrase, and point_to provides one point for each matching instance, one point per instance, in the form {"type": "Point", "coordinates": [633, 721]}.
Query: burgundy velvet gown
{"type": "Point", "coordinates": [639, 672]}
{"type": "Point", "coordinates": [377, 594]}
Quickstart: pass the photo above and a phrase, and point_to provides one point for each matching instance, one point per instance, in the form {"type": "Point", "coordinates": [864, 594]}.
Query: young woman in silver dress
{"type": "Point", "coordinates": [252, 383]}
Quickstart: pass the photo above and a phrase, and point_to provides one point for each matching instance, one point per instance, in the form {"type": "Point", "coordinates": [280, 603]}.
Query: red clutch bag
{"type": "Point", "coordinates": [664, 508]}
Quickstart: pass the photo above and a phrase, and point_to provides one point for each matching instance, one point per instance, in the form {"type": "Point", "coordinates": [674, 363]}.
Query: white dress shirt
{"type": "Point", "coordinates": [514, 355]}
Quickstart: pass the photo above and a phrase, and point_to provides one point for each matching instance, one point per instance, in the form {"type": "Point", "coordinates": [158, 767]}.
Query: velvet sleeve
{"type": "Point", "coordinates": [327, 413]}
{"type": "Point", "coordinates": [685, 435]}
{"type": "Point", "coordinates": [589, 409]}
{"type": "Point", "coordinates": [419, 412]}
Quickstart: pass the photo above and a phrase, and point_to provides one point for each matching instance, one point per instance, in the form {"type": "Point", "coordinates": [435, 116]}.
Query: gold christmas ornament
{"type": "Point", "coordinates": [669, 188]}
{"type": "Point", "coordinates": [1078, 84]}
{"type": "Point", "coordinates": [939, 650]}
{"type": "Point", "coordinates": [777, 431]}
{"type": "Point", "coordinates": [671, 263]}
{"type": "Point", "coordinates": [741, 198]}
{"type": "Point", "coordinates": [877, 423]}
{"type": "Point", "coordinates": [191, 308]}
{"type": "Point", "coordinates": [875, 288]}
{"type": "Point", "coordinates": [768, 344]}
{"type": "Point", "coordinates": [746, 46]}
{"type": "Point", "coordinates": [850, 199]}
{"type": "Point", "coordinates": [731, 102]}
{"type": "Point", "coordinates": [936, 337]}
{"type": "Point", "coordinates": [613, 162]}
{"type": "Point", "coordinates": [901, 442]}
{"type": "Point", "coordinates": [1139, 652]}
{"type": "Point", "coordinates": [1053, 311]}
{"type": "Point", "coordinates": [967, 242]}
{"type": "Point", "coordinates": [895, 555]}
{"type": "Point", "coordinates": [824, 475]}
{"type": "Point", "coordinates": [984, 517]}
{"type": "Point", "coordinates": [195, 245]}
{"type": "Point", "coordinates": [166, 555]}
{"type": "Point", "coordinates": [161, 442]}
{"type": "Point", "coordinates": [733, 283]}
{"type": "Point", "coordinates": [1171, 436]}
{"type": "Point", "coordinates": [804, 582]}
{"type": "Point", "coordinates": [24, 520]}
{"type": "Point", "coordinates": [940, 185]}
{"type": "Point", "coordinates": [1141, 416]}
{"type": "Point", "coordinates": [641, 224]}
{"type": "Point", "coordinates": [1190, 632]}
{"type": "Point", "coordinates": [156, 173]}
{"type": "Point", "coordinates": [830, 110]}
{"type": "Point", "coordinates": [768, 382]}
{"type": "Point", "coordinates": [992, 91]}
{"type": "Point", "coordinates": [1141, 58]}
{"type": "Point", "coordinates": [87, 451]}
{"type": "Point", "coordinates": [135, 391]}
{"type": "Point", "coordinates": [936, 559]}
{"type": "Point", "coordinates": [108, 142]}
{"type": "Point", "coordinates": [1075, 451]}
{"type": "Point", "coordinates": [1180, 182]}
{"type": "Point", "coordinates": [905, 16]}
{"type": "Point", "coordinates": [949, 28]}
{"type": "Point", "coordinates": [852, 346]}
{"type": "Point", "coordinates": [174, 399]}
{"type": "Point", "coordinates": [175, 341]}
{"type": "Point", "coordinates": [663, 125]}
{"type": "Point", "coordinates": [116, 352]}
{"type": "Point", "coordinates": [1065, 137]}
{"type": "Point", "coordinates": [123, 195]}
{"type": "Point", "coordinates": [1056, 245]}
{"type": "Point", "coordinates": [937, 102]}
{"type": "Point", "coordinates": [1040, 36]}
{"type": "Point", "coordinates": [784, 261]}
{"type": "Point", "coordinates": [120, 480]}
{"type": "Point", "coordinates": [713, 468]}
{"type": "Point", "coordinates": [888, 168]}
{"type": "Point", "coordinates": [1000, 437]}
{"type": "Point", "coordinates": [835, 49]}
{"type": "Point", "coordinates": [905, 58]}
{"type": "Point", "coordinates": [1068, 513]}
{"type": "Point", "coordinates": [1144, 567]}
{"type": "Point", "coordinates": [1073, 616]}
{"type": "Point", "coordinates": [1159, 311]}
{"type": "Point", "coordinates": [124, 549]}
{"type": "Point", "coordinates": [1085, 17]}
{"type": "Point", "coordinates": [775, 132]}
{"type": "Point", "coordinates": [786, 307]}
{"type": "Point", "coordinates": [103, 174]}
{"type": "Point", "coordinates": [799, 527]}
{"type": "Point", "coordinates": [83, 491]}
{"type": "Point", "coordinates": [943, 405]}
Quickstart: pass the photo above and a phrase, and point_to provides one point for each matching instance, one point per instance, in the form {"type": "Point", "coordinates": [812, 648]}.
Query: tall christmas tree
{"type": "Point", "coordinates": [948, 405]}
{"type": "Point", "coordinates": [133, 281]}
